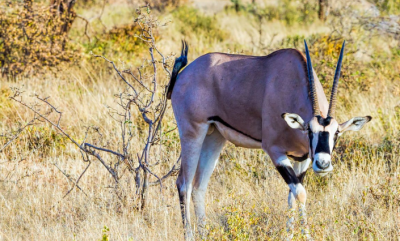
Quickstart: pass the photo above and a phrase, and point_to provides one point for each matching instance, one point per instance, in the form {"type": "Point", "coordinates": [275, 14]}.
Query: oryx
{"type": "Point", "coordinates": [243, 99]}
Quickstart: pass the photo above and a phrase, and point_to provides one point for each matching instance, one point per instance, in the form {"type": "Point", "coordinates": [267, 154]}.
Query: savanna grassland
{"type": "Point", "coordinates": [247, 198]}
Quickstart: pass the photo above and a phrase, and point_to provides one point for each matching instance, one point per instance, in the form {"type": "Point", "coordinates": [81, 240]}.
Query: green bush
{"type": "Point", "coordinates": [290, 12]}
{"type": "Point", "coordinates": [196, 23]}
{"type": "Point", "coordinates": [387, 6]}
{"type": "Point", "coordinates": [121, 41]}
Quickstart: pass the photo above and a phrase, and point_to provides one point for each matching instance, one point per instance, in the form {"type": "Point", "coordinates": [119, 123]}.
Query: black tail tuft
{"type": "Point", "coordinates": [178, 65]}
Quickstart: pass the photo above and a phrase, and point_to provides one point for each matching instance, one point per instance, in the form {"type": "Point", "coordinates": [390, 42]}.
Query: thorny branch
{"type": "Point", "coordinates": [81, 147]}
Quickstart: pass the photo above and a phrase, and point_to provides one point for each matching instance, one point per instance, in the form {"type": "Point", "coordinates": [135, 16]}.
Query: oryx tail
{"type": "Point", "coordinates": [178, 65]}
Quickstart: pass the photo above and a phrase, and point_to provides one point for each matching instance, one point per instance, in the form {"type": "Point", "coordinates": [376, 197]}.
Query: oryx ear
{"type": "Point", "coordinates": [294, 121]}
{"type": "Point", "coordinates": [354, 124]}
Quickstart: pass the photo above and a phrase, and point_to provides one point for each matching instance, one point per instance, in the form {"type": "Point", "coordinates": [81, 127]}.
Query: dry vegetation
{"type": "Point", "coordinates": [246, 200]}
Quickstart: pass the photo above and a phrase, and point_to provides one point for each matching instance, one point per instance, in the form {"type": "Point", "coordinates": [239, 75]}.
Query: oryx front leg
{"type": "Point", "coordinates": [297, 190]}
{"type": "Point", "coordinates": [300, 168]}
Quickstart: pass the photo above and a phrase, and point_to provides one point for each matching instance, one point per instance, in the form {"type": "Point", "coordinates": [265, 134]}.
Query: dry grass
{"type": "Point", "coordinates": [247, 199]}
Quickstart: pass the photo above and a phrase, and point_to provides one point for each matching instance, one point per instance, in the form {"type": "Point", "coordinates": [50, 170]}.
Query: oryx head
{"type": "Point", "coordinates": [323, 132]}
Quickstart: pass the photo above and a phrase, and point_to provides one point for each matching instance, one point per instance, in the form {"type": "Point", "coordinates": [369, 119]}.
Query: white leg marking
{"type": "Point", "coordinates": [283, 161]}
{"type": "Point", "coordinates": [298, 191]}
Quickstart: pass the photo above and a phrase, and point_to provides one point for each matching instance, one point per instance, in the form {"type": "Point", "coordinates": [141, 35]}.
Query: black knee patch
{"type": "Point", "coordinates": [302, 176]}
{"type": "Point", "coordinates": [288, 174]}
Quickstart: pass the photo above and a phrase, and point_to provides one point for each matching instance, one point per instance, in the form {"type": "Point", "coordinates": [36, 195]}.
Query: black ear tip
{"type": "Point", "coordinates": [369, 118]}
{"type": "Point", "coordinates": [283, 115]}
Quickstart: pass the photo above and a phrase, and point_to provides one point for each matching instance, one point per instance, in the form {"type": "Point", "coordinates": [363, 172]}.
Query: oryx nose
{"type": "Point", "coordinates": [321, 164]}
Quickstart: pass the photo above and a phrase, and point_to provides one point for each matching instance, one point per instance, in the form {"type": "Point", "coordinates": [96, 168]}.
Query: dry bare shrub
{"type": "Point", "coordinates": [34, 38]}
{"type": "Point", "coordinates": [143, 97]}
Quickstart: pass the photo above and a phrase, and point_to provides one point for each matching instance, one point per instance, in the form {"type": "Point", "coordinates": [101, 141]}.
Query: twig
{"type": "Point", "coordinates": [77, 181]}
{"type": "Point", "coordinates": [70, 179]}
{"type": "Point", "coordinates": [172, 171]}
{"type": "Point", "coordinates": [86, 26]}
{"type": "Point", "coordinates": [19, 131]}
{"type": "Point", "coordinates": [117, 70]}
{"type": "Point", "coordinates": [103, 149]}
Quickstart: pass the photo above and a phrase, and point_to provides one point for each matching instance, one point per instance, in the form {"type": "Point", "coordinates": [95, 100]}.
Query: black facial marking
{"type": "Point", "coordinates": [299, 158]}
{"type": "Point", "coordinates": [323, 143]}
{"type": "Point", "coordinates": [324, 121]}
{"type": "Point", "coordinates": [217, 118]}
{"type": "Point", "coordinates": [288, 174]}
{"type": "Point", "coordinates": [310, 138]}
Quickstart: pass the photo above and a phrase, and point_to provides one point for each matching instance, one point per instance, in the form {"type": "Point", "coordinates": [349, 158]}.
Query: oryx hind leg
{"type": "Point", "coordinates": [211, 149]}
{"type": "Point", "coordinates": [192, 136]}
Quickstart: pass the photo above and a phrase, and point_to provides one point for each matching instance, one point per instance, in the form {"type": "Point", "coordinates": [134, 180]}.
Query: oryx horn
{"type": "Point", "coordinates": [332, 102]}
{"type": "Point", "coordinates": [313, 93]}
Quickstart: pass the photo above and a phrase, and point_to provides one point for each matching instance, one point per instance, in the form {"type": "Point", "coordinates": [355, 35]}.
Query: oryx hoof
{"type": "Point", "coordinates": [306, 233]}
{"type": "Point", "coordinates": [202, 233]}
{"type": "Point", "coordinates": [289, 237]}
{"type": "Point", "coordinates": [189, 236]}
{"type": "Point", "coordinates": [290, 224]}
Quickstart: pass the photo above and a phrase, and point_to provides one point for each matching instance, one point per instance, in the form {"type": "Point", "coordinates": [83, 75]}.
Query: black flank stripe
{"type": "Point", "coordinates": [288, 174]}
{"type": "Point", "coordinates": [217, 118]}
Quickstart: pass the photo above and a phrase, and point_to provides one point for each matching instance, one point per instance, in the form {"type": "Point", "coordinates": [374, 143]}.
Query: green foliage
{"type": "Point", "coordinates": [44, 139]}
{"type": "Point", "coordinates": [120, 40]}
{"type": "Point", "coordinates": [41, 140]}
{"type": "Point", "coordinates": [105, 234]}
{"type": "Point", "coordinates": [290, 12]}
{"type": "Point", "coordinates": [241, 222]}
{"type": "Point", "coordinates": [196, 23]}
